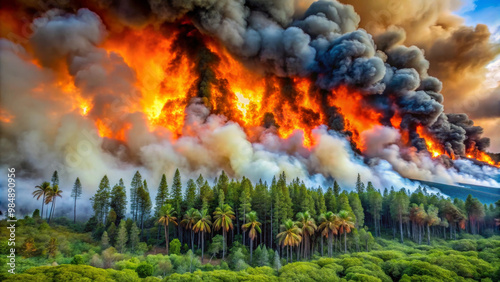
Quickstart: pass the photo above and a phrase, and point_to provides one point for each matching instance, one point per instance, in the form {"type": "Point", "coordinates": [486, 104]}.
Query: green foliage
{"type": "Point", "coordinates": [175, 247]}
{"type": "Point", "coordinates": [464, 245]}
{"type": "Point", "coordinates": [77, 259]}
{"type": "Point", "coordinates": [307, 271]}
{"type": "Point", "coordinates": [118, 202]}
{"type": "Point", "coordinates": [144, 270]}
{"type": "Point", "coordinates": [122, 238]}
{"type": "Point", "coordinates": [134, 236]}
{"type": "Point", "coordinates": [368, 257]}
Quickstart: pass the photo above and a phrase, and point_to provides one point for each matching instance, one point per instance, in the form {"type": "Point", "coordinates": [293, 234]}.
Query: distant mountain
{"type": "Point", "coordinates": [487, 195]}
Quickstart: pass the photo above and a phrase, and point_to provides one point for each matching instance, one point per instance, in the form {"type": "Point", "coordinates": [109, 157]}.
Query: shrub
{"type": "Point", "coordinates": [464, 245]}
{"type": "Point", "coordinates": [144, 270]}
{"type": "Point", "coordinates": [77, 259]}
{"type": "Point", "coordinates": [175, 247]}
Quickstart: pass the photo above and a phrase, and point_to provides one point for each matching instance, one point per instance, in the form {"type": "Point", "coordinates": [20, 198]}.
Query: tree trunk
{"type": "Point", "coordinates": [401, 226]}
{"type": "Point", "coordinates": [158, 236]}
{"type": "Point", "coordinates": [166, 237]}
{"type": "Point", "coordinates": [251, 250]}
{"type": "Point", "coordinates": [192, 240]}
{"type": "Point", "coordinates": [345, 241]}
{"type": "Point", "coordinates": [330, 243]}
{"type": "Point", "coordinates": [202, 245]}
{"type": "Point", "coordinates": [74, 209]}
{"type": "Point", "coordinates": [52, 210]}
{"type": "Point", "coordinates": [43, 203]}
{"type": "Point", "coordinates": [321, 244]}
{"type": "Point", "coordinates": [223, 243]}
{"type": "Point", "coordinates": [244, 221]}
{"type": "Point", "coordinates": [428, 235]}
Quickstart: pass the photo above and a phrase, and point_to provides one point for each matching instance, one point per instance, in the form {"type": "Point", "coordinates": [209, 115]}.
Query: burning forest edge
{"type": "Point", "coordinates": [329, 93]}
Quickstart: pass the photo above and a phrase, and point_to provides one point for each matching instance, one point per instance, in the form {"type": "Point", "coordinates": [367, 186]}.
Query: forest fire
{"type": "Point", "coordinates": [433, 147]}
{"type": "Point", "coordinates": [179, 90]}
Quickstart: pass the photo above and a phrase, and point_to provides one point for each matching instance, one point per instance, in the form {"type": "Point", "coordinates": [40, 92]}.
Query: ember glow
{"type": "Point", "coordinates": [433, 147]}
{"type": "Point", "coordinates": [264, 96]}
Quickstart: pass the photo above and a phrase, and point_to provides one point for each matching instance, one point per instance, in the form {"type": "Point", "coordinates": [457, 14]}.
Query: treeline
{"type": "Point", "coordinates": [288, 217]}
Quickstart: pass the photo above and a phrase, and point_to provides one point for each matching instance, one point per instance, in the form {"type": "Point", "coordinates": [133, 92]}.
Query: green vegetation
{"type": "Point", "coordinates": [239, 230]}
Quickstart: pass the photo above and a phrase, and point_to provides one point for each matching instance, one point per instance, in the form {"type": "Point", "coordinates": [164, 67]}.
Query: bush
{"type": "Point", "coordinates": [77, 259]}
{"type": "Point", "coordinates": [175, 247]}
{"type": "Point", "coordinates": [464, 245]}
{"type": "Point", "coordinates": [144, 270]}
{"type": "Point", "coordinates": [387, 255]}
{"type": "Point", "coordinates": [307, 271]}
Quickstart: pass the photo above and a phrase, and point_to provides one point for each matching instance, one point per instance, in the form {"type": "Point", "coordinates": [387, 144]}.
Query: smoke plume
{"type": "Point", "coordinates": [320, 90]}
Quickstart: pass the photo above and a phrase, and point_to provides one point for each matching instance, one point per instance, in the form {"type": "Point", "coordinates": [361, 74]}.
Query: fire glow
{"type": "Point", "coordinates": [166, 79]}
{"type": "Point", "coordinates": [173, 65]}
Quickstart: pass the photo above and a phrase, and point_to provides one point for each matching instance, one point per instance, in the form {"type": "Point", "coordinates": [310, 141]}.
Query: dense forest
{"type": "Point", "coordinates": [234, 230]}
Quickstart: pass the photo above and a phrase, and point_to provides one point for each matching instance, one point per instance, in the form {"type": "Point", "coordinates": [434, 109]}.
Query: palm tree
{"type": "Point", "coordinates": [253, 225]}
{"type": "Point", "coordinates": [345, 224]}
{"type": "Point", "coordinates": [189, 221]}
{"type": "Point", "coordinates": [52, 194]}
{"type": "Point", "coordinates": [223, 219]}
{"type": "Point", "coordinates": [42, 191]}
{"type": "Point", "coordinates": [167, 213]}
{"type": "Point", "coordinates": [202, 225]}
{"type": "Point", "coordinates": [329, 224]}
{"type": "Point", "coordinates": [308, 226]}
{"type": "Point", "coordinates": [289, 236]}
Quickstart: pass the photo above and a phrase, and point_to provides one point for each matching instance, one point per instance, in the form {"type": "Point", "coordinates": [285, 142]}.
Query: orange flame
{"type": "Point", "coordinates": [474, 153]}
{"type": "Point", "coordinates": [434, 148]}
{"type": "Point", "coordinates": [168, 78]}
{"type": "Point", "coordinates": [358, 116]}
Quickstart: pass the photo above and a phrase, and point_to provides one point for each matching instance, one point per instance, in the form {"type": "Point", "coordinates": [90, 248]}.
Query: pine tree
{"type": "Point", "coordinates": [360, 186]}
{"type": "Point", "coordinates": [122, 238]}
{"type": "Point", "coordinates": [134, 186]}
{"type": "Point", "coordinates": [336, 189]}
{"type": "Point", "coordinates": [245, 202]}
{"type": "Point", "coordinates": [55, 179]}
{"type": "Point", "coordinates": [177, 192]}
{"type": "Point", "coordinates": [399, 208]}
{"type": "Point", "coordinates": [161, 195]}
{"type": "Point", "coordinates": [111, 217]}
{"type": "Point", "coordinates": [375, 208]}
{"type": "Point", "coordinates": [190, 194]}
{"type": "Point", "coordinates": [144, 206]}
{"type": "Point", "coordinates": [261, 203]}
{"type": "Point", "coordinates": [101, 200]}
{"type": "Point", "coordinates": [277, 262]}
{"type": "Point", "coordinates": [223, 183]}
{"type": "Point", "coordinates": [343, 204]}
{"type": "Point", "coordinates": [76, 193]}
{"type": "Point", "coordinates": [105, 240]}
{"type": "Point", "coordinates": [330, 201]}
{"type": "Point", "coordinates": [177, 197]}
{"type": "Point", "coordinates": [357, 209]}
{"type": "Point", "coordinates": [321, 203]}
{"type": "Point", "coordinates": [118, 201]}
{"type": "Point", "coordinates": [112, 232]}
{"type": "Point", "coordinates": [206, 195]}
{"type": "Point", "coordinates": [134, 236]}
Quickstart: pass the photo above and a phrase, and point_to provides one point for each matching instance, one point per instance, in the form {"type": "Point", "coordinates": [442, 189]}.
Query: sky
{"type": "Point", "coordinates": [482, 11]}
{"type": "Point", "coordinates": [486, 12]}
